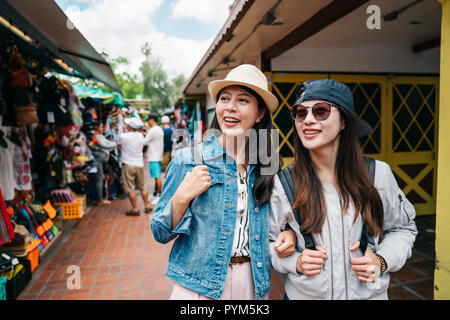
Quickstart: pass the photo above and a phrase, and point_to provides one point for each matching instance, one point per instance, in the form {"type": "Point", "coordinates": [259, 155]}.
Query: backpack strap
{"type": "Point", "coordinates": [285, 177]}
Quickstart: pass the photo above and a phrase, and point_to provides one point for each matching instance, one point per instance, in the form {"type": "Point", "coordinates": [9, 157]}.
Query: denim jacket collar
{"type": "Point", "coordinates": [211, 149]}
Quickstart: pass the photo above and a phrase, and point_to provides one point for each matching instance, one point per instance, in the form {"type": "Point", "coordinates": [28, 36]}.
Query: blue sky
{"type": "Point", "coordinates": [174, 28]}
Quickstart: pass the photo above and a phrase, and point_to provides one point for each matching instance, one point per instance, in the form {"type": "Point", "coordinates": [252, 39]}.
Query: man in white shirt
{"type": "Point", "coordinates": [131, 144]}
{"type": "Point", "coordinates": [155, 153]}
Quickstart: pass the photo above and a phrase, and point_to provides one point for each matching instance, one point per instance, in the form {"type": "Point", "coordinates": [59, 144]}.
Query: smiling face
{"type": "Point", "coordinates": [315, 134]}
{"type": "Point", "coordinates": [237, 111]}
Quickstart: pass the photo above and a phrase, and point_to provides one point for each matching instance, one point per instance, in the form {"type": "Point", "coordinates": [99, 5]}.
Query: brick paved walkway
{"type": "Point", "coordinates": [119, 259]}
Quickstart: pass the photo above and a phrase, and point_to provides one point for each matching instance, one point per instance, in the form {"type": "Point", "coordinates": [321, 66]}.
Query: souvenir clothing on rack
{"type": "Point", "coordinates": [22, 168]}
{"type": "Point", "coordinates": [7, 149]}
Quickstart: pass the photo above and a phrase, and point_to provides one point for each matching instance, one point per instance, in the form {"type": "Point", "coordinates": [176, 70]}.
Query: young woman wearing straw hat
{"type": "Point", "coordinates": [215, 200]}
{"type": "Point", "coordinates": [356, 226]}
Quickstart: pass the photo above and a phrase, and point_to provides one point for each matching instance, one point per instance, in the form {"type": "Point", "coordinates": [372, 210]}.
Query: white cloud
{"type": "Point", "coordinates": [121, 28]}
{"type": "Point", "coordinates": [207, 11]}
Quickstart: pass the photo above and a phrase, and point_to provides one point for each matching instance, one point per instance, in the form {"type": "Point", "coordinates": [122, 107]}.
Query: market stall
{"type": "Point", "coordinates": [53, 147]}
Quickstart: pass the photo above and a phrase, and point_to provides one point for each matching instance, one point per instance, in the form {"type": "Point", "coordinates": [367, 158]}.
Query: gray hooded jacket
{"type": "Point", "coordinates": [338, 281]}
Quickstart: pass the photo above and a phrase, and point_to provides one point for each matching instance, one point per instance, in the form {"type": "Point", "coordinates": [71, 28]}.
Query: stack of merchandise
{"type": "Point", "coordinates": [27, 229]}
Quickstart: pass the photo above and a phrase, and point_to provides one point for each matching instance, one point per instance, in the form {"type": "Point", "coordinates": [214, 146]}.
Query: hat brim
{"type": "Point", "coordinates": [127, 122]}
{"type": "Point", "coordinates": [215, 86]}
{"type": "Point", "coordinates": [360, 127]}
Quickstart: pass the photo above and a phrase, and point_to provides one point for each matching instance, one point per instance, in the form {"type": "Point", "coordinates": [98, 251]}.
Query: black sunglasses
{"type": "Point", "coordinates": [321, 111]}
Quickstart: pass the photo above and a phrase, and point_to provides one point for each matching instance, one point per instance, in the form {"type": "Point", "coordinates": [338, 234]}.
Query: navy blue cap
{"type": "Point", "coordinates": [153, 116]}
{"type": "Point", "coordinates": [337, 93]}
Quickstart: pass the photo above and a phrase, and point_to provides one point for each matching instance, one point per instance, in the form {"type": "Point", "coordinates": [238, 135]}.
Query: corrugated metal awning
{"type": "Point", "coordinates": [237, 11]}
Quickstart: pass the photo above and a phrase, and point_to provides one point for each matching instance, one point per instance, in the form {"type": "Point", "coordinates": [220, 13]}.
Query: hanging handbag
{"type": "Point", "coordinates": [18, 76]}
{"type": "Point", "coordinates": [18, 79]}
{"type": "Point", "coordinates": [26, 115]}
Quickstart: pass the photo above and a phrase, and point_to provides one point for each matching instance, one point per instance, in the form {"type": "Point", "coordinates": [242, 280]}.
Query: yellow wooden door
{"type": "Point", "coordinates": [412, 138]}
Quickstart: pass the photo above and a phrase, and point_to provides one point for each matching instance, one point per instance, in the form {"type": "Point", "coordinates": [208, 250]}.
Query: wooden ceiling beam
{"type": "Point", "coordinates": [322, 19]}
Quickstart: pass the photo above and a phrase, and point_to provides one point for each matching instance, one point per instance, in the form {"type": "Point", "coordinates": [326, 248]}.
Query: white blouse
{"type": "Point", "coordinates": [240, 244]}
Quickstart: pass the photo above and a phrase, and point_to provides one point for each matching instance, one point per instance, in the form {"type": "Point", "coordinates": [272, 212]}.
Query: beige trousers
{"type": "Point", "coordinates": [238, 286]}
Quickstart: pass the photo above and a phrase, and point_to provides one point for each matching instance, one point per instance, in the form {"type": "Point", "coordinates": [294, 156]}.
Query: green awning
{"type": "Point", "coordinates": [98, 95]}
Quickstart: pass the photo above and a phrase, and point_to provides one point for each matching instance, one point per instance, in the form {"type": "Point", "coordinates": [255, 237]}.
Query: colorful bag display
{"type": "Point", "coordinates": [62, 195]}
{"type": "Point", "coordinates": [6, 228]}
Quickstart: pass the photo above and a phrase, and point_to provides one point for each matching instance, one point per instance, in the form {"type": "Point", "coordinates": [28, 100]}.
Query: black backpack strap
{"type": "Point", "coordinates": [367, 238]}
{"type": "Point", "coordinates": [370, 165]}
{"type": "Point", "coordinates": [285, 177]}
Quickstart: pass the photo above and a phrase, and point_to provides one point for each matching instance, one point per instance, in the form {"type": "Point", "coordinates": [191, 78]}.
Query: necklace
{"type": "Point", "coordinates": [242, 178]}
{"type": "Point", "coordinates": [242, 190]}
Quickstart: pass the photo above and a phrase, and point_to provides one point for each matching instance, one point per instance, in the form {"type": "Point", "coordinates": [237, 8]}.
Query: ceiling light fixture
{"type": "Point", "coordinates": [15, 30]}
{"type": "Point", "coordinates": [63, 65]}
{"type": "Point", "coordinates": [269, 19]}
{"type": "Point", "coordinates": [393, 15]}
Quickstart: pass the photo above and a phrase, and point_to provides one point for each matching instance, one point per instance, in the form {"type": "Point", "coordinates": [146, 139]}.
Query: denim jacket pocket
{"type": "Point", "coordinates": [211, 200]}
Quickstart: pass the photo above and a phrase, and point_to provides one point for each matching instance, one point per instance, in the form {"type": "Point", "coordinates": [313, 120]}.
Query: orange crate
{"type": "Point", "coordinates": [33, 254]}
{"type": "Point", "coordinates": [72, 210]}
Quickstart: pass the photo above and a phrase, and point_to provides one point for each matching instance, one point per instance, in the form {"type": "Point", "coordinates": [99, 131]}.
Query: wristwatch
{"type": "Point", "coordinates": [383, 264]}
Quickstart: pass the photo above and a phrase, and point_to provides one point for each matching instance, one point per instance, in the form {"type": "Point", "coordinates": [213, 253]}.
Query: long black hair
{"type": "Point", "coordinates": [353, 178]}
{"type": "Point", "coordinates": [263, 185]}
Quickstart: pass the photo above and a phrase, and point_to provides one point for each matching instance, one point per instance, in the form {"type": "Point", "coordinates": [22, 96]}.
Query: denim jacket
{"type": "Point", "coordinates": [204, 237]}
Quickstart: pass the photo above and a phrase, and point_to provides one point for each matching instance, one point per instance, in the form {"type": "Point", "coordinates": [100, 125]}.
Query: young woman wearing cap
{"type": "Point", "coordinates": [217, 208]}
{"type": "Point", "coordinates": [336, 198]}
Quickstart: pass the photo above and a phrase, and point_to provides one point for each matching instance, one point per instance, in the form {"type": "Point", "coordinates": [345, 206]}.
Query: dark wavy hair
{"type": "Point", "coordinates": [354, 182]}
{"type": "Point", "coordinates": [263, 186]}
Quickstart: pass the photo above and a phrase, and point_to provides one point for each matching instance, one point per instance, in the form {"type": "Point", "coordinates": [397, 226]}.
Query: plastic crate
{"type": "Point", "coordinates": [18, 282]}
{"type": "Point", "coordinates": [3, 288]}
{"type": "Point", "coordinates": [73, 210]}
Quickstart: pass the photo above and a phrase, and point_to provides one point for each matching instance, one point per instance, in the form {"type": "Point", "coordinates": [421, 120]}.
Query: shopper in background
{"type": "Point", "coordinates": [104, 146]}
{"type": "Point", "coordinates": [131, 144]}
{"type": "Point", "coordinates": [168, 132]}
{"type": "Point", "coordinates": [155, 138]}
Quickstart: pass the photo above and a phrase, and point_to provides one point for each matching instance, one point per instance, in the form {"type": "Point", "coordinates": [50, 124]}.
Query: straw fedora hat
{"type": "Point", "coordinates": [246, 75]}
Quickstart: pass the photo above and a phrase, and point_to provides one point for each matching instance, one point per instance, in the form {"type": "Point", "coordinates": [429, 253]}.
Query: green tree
{"type": "Point", "coordinates": [161, 91]}
{"type": "Point", "coordinates": [177, 85]}
{"type": "Point", "coordinates": [130, 84]}
{"type": "Point", "coordinates": [152, 83]}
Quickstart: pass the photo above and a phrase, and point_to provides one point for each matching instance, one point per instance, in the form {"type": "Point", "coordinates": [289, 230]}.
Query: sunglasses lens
{"type": "Point", "coordinates": [321, 111]}
{"type": "Point", "coordinates": [299, 113]}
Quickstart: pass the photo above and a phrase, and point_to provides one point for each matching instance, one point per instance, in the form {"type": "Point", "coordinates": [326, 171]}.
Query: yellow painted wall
{"type": "Point", "coordinates": [442, 272]}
